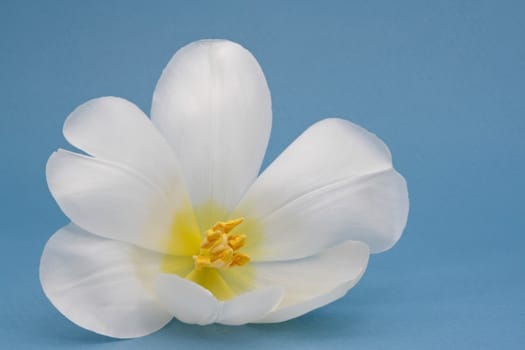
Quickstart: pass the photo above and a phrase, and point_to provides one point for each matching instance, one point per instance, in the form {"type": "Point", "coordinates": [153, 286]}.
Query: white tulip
{"type": "Point", "coordinates": [169, 218]}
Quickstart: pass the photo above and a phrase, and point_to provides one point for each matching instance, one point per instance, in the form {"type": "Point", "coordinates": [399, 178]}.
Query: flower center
{"type": "Point", "coordinates": [220, 248]}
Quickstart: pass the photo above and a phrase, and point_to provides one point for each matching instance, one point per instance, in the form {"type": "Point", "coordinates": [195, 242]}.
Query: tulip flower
{"type": "Point", "coordinates": [171, 219]}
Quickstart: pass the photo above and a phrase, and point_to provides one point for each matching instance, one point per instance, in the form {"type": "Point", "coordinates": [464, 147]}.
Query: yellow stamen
{"type": "Point", "coordinates": [236, 241]}
{"type": "Point", "coordinates": [227, 226]}
{"type": "Point", "coordinates": [219, 249]}
{"type": "Point", "coordinates": [240, 259]}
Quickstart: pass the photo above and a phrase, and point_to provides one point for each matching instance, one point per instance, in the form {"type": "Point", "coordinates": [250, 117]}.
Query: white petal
{"type": "Point", "coordinates": [102, 285]}
{"type": "Point", "coordinates": [292, 311]}
{"type": "Point", "coordinates": [250, 306]}
{"type": "Point", "coordinates": [191, 303]}
{"type": "Point", "coordinates": [114, 129]}
{"type": "Point", "coordinates": [334, 183]}
{"type": "Point", "coordinates": [315, 281]}
{"type": "Point", "coordinates": [213, 105]}
{"type": "Point", "coordinates": [115, 202]}
{"type": "Point", "coordinates": [187, 301]}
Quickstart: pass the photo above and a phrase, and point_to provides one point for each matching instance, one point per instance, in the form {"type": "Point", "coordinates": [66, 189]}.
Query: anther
{"type": "Point", "coordinates": [219, 249]}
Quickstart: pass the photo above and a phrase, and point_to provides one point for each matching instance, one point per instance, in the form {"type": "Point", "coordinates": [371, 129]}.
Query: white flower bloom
{"type": "Point", "coordinates": [169, 218]}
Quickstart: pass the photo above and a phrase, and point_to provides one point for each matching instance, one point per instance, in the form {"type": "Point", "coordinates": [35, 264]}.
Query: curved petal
{"type": "Point", "coordinates": [102, 285]}
{"type": "Point", "coordinates": [114, 129]}
{"type": "Point", "coordinates": [116, 202]}
{"type": "Point", "coordinates": [315, 281]}
{"type": "Point", "coordinates": [334, 183]}
{"type": "Point", "coordinates": [187, 301]}
{"type": "Point", "coordinates": [194, 304]}
{"type": "Point", "coordinates": [286, 313]}
{"type": "Point", "coordinates": [250, 306]}
{"type": "Point", "coordinates": [213, 105]}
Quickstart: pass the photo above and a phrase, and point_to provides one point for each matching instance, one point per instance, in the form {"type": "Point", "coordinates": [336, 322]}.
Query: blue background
{"type": "Point", "coordinates": [441, 82]}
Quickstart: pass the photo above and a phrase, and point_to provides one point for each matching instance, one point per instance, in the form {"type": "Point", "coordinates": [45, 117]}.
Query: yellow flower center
{"type": "Point", "coordinates": [208, 257]}
{"type": "Point", "coordinates": [220, 249]}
